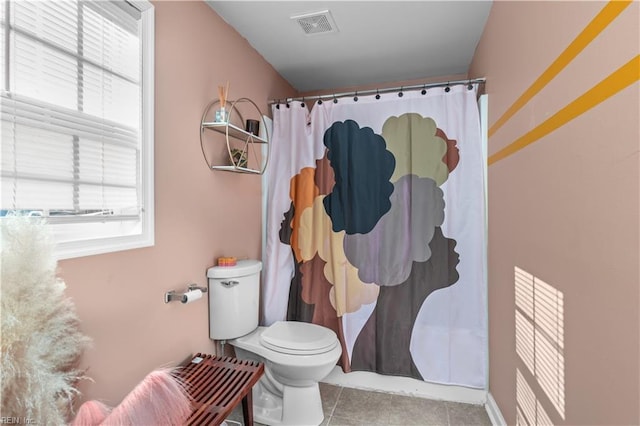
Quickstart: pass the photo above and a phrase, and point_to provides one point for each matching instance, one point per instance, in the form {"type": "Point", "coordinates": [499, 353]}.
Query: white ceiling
{"type": "Point", "coordinates": [376, 42]}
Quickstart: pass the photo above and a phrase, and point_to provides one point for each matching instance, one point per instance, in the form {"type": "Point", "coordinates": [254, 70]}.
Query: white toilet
{"type": "Point", "coordinates": [296, 355]}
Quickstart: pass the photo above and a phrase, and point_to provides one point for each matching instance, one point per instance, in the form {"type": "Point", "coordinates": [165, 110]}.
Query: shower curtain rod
{"type": "Point", "coordinates": [398, 89]}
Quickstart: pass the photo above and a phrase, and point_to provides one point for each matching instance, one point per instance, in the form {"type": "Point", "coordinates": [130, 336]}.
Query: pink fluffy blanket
{"type": "Point", "coordinates": [160, 399]}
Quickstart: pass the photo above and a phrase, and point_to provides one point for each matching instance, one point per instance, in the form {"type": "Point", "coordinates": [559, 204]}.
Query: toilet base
{"type": "Point", "coordinates": [302, 406]}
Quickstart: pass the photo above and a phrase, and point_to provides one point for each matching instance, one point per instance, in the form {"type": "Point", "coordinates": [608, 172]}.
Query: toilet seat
{"type": "Point", "coordinates": [298, 338]}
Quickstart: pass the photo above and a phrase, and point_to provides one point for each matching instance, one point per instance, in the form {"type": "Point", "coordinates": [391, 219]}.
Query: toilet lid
{"type": "Point", "coordinates": [302, 338]}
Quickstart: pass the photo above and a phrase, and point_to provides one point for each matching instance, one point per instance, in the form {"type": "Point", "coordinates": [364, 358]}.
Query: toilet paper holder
{"type": "Point", "coordinates": [173, 296]}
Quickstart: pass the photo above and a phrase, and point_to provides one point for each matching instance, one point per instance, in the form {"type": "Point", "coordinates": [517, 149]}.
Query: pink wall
{"type": "Point", "coordinates": [199, 214]}
{"type": "Point", "coordinates": [566, 208]}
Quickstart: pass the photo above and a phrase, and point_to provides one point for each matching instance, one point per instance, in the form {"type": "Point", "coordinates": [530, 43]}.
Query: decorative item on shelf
{"type": "Point", "coordinates": [239, 157]}
{"type": "Point", "coordinates": [222, 115]}
{"type": "Point", "coordinates": [253, 127]}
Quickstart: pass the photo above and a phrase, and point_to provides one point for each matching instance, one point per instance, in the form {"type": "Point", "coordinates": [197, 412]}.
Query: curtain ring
{"type": "Point", "coordinates": [355, 98]}
{"type": "Point", "coordinates": [469, 85]}
{"type": "Point", "coordinates": [302, 104]}
{"type": "Point", "coordinates": [278, 104]}
{"type": "Point", "coordinates": [319, 100]}
{"type": "Point", "coordinates": [377, 94]}
{"type": "Point", "coordinates": [424, 89]}
{"type": "Point", "coordinates": [400, 94]}
{"type": "Point", "coordinates": [447, 89]}
{"type": "Point", "coordinates": [335, 100]}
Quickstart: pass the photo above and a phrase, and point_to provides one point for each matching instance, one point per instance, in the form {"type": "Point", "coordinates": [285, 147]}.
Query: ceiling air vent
{"type": "Point", "coordinates": [316, 22]}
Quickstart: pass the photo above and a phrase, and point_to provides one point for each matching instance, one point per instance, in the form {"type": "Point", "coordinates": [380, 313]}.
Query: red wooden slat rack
{"type": "Point", "coordinates": [217, 385]}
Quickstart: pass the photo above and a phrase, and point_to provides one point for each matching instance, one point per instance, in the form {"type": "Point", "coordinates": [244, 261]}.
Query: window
{"type": "Point", "coordinates": [77, 120]}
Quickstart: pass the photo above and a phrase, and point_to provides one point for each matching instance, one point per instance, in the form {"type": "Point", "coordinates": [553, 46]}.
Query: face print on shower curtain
{"type": "Point", "coordinates": [366, 227]}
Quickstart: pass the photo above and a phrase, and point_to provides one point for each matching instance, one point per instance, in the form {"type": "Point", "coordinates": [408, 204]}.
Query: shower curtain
{"type": "Point", "coordinates": [376, 230]}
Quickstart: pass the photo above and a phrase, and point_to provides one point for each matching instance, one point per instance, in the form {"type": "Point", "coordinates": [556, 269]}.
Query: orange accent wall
{"type": "Point", "coordinates": [200, 215]}
{"type": "Point", "coordinates": [566, 208]}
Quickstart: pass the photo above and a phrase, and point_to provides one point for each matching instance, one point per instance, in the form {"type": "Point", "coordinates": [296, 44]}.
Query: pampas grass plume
{"type": "Point", "coordinates": [41, 342]}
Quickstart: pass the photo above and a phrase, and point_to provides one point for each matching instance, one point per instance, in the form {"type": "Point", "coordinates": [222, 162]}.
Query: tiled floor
{"type": "Point", "coordinates": [347, 407]}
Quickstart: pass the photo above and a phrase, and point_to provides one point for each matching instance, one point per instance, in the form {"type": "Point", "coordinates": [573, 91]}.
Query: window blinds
{"type": "Point", "coordinates": [71, 109]}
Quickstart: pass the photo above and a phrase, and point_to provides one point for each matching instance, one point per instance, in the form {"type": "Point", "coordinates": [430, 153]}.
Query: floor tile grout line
{"type": "Point", "coordinates": [335, 404]}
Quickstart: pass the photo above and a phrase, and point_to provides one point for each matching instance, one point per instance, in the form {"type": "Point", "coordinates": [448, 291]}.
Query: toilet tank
{"type": "Point", "coordinates": [234, 294]}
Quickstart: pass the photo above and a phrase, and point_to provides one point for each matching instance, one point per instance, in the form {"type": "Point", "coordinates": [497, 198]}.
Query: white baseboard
{"type": "Point", "coordinates": [495, 415]}
{"type": "Point", "coordinates": [406, 386]}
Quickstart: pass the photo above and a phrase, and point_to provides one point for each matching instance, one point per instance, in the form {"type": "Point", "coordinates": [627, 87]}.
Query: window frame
{"type": "Point", "coordinates": [86, 244]}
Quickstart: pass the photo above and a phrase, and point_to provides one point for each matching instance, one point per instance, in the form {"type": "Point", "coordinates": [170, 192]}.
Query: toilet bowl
{"type": "Point", "coordinates": [296, 355]}
{"type": "Point", "coordinates": [288, 393]}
